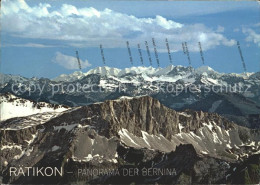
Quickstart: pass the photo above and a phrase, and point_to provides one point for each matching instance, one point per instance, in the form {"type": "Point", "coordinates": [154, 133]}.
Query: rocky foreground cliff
{"type": "Point", "coordinates": [104, 142]}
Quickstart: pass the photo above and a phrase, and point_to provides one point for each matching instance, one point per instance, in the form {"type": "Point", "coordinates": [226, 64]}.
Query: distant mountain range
{"type": "Point", "coordinates": [201, 125]}
{"type": "Point", "coordinates": [235, 96]}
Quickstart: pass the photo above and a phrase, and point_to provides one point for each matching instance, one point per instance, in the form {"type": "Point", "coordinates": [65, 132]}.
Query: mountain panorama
{"type": "Point", "coordinates": [139, 125]}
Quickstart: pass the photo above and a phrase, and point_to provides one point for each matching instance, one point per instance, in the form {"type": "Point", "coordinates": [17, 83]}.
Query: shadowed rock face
{"type": "Point", "coordinates": [125, 133]}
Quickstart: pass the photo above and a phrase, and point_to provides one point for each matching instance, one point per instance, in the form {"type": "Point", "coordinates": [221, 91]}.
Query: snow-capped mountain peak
{"type": "Point", "coordinates": [138, 70]}
{"type": "Point", "coordinates": [70, 77]}
{"type": "Point", "coordinates": [170, 73]}
{"type": "Point", "coordinates": [109, 71]}
{"type": "Point", "coordinates": [204, 69]}
{"type": "Point", "coordinates": [164, 71]}
{"type": "Point", "coordinates": [104, 71]}
{"type": "Point", "coordinates": [8, 77]}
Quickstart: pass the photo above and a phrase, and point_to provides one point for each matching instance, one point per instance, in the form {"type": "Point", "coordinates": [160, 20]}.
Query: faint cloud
{"type": "Point", "coordinates": [69, 62]}
{"type": "Point", "coordinates": [33, 45]}
{"type": "Point", "coordinates": [258, 24]}
{"type": "Point", "coordinates": [220, 29]}
{"type": "Point", "coordinates": [89, 26]}
{"type": "Point", "coordinates": [236, 30]}
{"type": "Point", "coordinates": [251, 36]}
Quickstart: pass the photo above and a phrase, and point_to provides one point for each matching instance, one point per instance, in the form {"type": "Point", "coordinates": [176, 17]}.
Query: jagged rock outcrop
{"type": "Point", "coordinates": [124, 133]}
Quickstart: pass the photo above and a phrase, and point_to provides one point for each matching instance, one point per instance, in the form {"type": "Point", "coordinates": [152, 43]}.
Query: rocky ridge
{"type": "Point", "coordinates": [140, 132]}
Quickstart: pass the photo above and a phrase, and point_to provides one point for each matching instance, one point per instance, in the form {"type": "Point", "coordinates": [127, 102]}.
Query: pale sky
{"type": "Point", "coordinates": [39, 38]}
